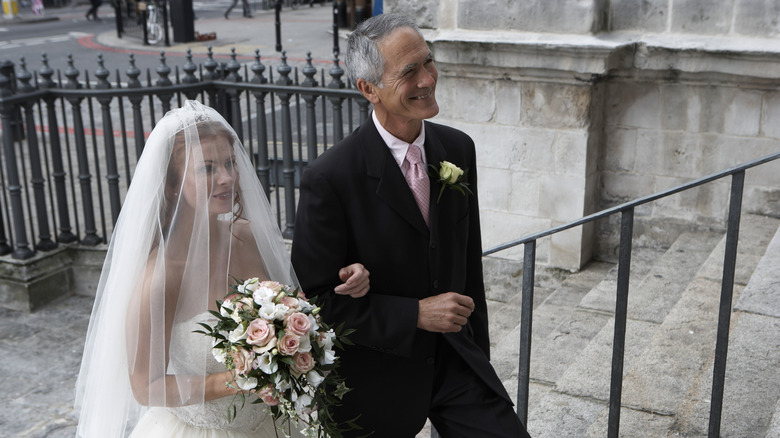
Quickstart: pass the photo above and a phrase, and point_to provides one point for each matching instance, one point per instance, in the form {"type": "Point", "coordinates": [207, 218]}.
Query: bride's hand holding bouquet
{"type": "Point", "coordinates": [280, 351]}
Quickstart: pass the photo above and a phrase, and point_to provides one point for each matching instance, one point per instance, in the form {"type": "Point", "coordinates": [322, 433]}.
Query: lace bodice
{"type": "Point", "coordinates": [189, 348]}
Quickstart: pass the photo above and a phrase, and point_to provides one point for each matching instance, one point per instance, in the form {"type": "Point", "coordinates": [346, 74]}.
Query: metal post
{"type": "Point", "coordinates": [263, 167]}
{"type": "Point", "coordinates": [45, 243]}
{"type": "Point", "coordinates": [336, 72]}
{"type": "Point", "coordinates": [726, 294]}
{"type": "Point", "coordinates": [335, 28]}
{"type": "Point", "coordinates": [278, 23]}
{"type": "Point", "coordinates": [526, 327]}
{"type": "Point", "coordinates": [108, 138]}
{"type": "Point", "coordinates": [287, 148]}
{"type": "Point", "coordinates": [311, 117]}
{"type": "Point", "coordinates": [58, 170]}
{"type": "Point", "coordinates": [8, 112]}
{"type": "Point", "coordinates": [621, 315]}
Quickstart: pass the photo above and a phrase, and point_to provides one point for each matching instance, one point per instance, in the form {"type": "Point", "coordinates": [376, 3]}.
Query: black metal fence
{"type": "Point", "coordinates": [70, 141]}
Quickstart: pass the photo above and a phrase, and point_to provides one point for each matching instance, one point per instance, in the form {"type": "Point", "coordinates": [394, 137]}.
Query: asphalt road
{"type": "Point", "coordinates": [68, 33]}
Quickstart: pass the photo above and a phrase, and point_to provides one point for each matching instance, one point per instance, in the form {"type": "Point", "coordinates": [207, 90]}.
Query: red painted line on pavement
{"type": "Point", "coordinates": [98, 132]}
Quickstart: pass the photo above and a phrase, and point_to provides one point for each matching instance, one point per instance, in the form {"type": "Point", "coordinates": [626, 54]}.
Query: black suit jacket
{"type": "Point", "coordinates": [355, 206]}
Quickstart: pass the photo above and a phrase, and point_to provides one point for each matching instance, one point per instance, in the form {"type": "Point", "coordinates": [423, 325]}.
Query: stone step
{"type": "Point", "coordinates": [554, 299]}
{"type": "Point", "coordinates": [751, 393]}
{"type": "Point", "coordinates": [655, 297]}
{"type": "Point", "coordinates": [651, 296]}
{"type": "Point", "coordinates": [774, 427]}
{"type": "Point", "coordinates": [551, 357]}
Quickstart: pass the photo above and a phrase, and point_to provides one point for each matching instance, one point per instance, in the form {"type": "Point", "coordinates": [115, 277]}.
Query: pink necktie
{"type": "Point", "coordinates": [417, 178]}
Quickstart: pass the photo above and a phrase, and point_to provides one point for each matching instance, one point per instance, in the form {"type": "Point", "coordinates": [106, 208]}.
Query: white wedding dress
{"type": "Point", "coordinates": [210, 419]}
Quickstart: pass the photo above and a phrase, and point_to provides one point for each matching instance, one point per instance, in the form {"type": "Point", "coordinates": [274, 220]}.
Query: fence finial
{"type": "Point", "coordinates": [133, 73]}
{"type": "Point", "coordinates": [24, 77]}
{"type": "Point", "coordinates": [284, 71]}
{"type": "Point", "coordinates": [309, 71]}
{"type": "Point", "coordinates": [46, 73]}
{"type": "Point", "coordinates": [189, 70]}
{"type": "Point", "coordinates": [258, 68]}
{"type": "Point", "coordinates": [71, 73]}
{"type": "Point", "coordinates": [210, 65]}
{"type": "Point", "coordinates": [336, 72]}
{"type": "Point", "coordinates": [102, 74]}
{"type": "Point", "coordinates": [233, 67]}
{"type": "Point", "coordinates": [163, 71]}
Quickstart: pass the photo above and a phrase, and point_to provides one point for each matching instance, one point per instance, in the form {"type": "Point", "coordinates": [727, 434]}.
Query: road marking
{"type": "Point", "coordinates": [38, 41]}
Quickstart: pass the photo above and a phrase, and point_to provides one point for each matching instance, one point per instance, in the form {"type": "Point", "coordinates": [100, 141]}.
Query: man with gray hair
{"type": "Point", "coordinates": [421, 333]}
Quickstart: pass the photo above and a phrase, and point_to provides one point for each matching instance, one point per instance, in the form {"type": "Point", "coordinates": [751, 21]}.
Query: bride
{"type": "Point", "coordinates": [195, 219]}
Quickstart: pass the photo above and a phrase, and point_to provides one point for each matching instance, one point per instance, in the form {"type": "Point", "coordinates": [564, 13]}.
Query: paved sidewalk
{"type": "Point", "coordinates": [40, 356]}
{"type": "Point", "coordinates": [307, 29]}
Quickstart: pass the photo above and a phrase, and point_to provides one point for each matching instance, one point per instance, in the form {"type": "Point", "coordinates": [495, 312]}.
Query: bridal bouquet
{"type": "Point", "coordinates": [281, 351]}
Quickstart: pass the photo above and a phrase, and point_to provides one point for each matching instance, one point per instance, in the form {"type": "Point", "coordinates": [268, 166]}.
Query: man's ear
{"type": "Point", "coordinates": [368, 90]}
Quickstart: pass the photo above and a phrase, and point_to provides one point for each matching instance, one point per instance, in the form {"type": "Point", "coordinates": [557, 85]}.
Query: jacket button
{"type": "Point", "coordinates": [433, 244]}
{"type": "Point", "coordinates": [429, 361]}
{"type": "Point", "coordinates": [436, 284]}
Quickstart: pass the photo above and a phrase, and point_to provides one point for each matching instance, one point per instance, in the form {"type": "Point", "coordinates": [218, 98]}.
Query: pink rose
{"type": "Point", "coordinates": [260, 332]}
{"type": "Point", "coordinates": [267, 396]}
{"type": "Point", "coordinates": [289, 344]}
{"type": "Point", "coordinates": [302, 363]}
{"type": "Point", "coordinates": [298, 324]}
{"type": "Point", "coordinates": [242, 359]}
{"type": "Point", "coordinates": [290, 302]}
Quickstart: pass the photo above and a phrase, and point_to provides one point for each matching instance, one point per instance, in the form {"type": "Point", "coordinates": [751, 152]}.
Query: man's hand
{"type": "Point", "coordinates": [355, 278]}
{"type": "Point", "coordinates": [445, 313]}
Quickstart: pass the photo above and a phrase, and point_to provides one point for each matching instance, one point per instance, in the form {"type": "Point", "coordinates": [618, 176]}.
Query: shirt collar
{"type": "Point", "coordinates": [397, 146]}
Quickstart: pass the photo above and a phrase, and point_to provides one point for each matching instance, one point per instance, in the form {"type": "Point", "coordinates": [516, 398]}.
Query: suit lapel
{"type": "Point", "coordinates": [434, 154]}
{"type": "Point", "coordinates": [391, 186]}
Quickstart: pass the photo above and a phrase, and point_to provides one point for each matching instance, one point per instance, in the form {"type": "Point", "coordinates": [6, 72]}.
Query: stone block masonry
{"type": "Point", "coordinates": [576, 106]}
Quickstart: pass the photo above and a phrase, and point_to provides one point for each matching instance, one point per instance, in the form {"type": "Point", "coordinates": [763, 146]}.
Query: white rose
{"type": "Point", "coordinates": [450, 172]}
{"type": "Point", "coordinates": [262, 295]}
{"type": "Point", "coordinates": [302, 403]}
{"type": "Point", "coordinates": [314, 325]}
{"type": "Point", "coordinates": [246, 383]}
{"type": "Point", "coordinates": [267, 310]}
{"type": "Point", "coordinates": [235, 316]}
{"type": "Point", "coordinates": [227, 308]}
{"type": "Point", "coordinates": [280, 311]}
{"type": "Point", "coordinates": [251, 284]}
{"type": "Point", "coordinates": [219, 354]}
{"type": "Point", "coordinates": [267, 347]}
{"type": "Point", "coordinates": [314, 378]}
{"type": "Point", "coordinates": [326, 340]}
{"type": "Point", "coordinates": [237, 334]}
{"type": "Point", "coordinates": [305, 306]}
{"type": "Point", "coordinates": [265, 363]}
{"type": "Point", "coordinates": [304, 345]}
{"type": "Point", "coordinates": [282, 385]}
{"type": "Point", "coordinates": [328, 357]}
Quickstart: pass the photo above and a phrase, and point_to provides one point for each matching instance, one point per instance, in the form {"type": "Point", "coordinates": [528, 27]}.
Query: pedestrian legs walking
{"type": "Point", "coordinates": [244, 5]}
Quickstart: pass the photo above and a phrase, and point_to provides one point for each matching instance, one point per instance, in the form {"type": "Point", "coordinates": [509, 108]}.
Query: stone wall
{"type": "Point", "coordinates": [580, 105]}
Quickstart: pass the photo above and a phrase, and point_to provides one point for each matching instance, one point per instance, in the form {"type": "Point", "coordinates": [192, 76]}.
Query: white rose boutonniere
{"type": "Point", "coordinates": [450, 176]}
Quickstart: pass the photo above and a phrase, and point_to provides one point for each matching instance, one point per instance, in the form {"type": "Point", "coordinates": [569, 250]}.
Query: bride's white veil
{"type": "Point", "coordinates": [169, 258]}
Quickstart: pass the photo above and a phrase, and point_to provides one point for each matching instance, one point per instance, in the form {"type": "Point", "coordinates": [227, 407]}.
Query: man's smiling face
{"type": "Point", "coordinates": [408, 87]}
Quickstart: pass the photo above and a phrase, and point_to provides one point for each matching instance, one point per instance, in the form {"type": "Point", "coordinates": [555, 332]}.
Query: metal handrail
{"type": "Point", "coordinates": [621, 303]}
{"type": "Point", "coordinates": [631, 204]}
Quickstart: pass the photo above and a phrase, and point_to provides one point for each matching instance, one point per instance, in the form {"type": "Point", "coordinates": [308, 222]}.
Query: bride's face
{"type": "Point", "coordinates": [217, 171]}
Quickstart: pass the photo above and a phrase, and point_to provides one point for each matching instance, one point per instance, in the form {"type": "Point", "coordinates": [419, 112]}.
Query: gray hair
{"type": "Point", "coordinates": [363, 59]}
